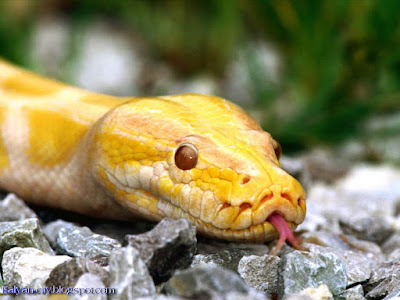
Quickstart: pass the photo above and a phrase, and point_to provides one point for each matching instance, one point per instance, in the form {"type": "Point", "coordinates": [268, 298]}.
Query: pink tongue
{"type": "Point", "coordinates": [285, 233]}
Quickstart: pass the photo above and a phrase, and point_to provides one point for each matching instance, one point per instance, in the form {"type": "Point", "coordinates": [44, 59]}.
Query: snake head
{"type": "Point", "coordinates": [196, 157]}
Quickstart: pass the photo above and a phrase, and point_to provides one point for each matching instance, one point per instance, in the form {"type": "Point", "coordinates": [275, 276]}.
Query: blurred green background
{"type": "Point", "coordinates": [314, 73]}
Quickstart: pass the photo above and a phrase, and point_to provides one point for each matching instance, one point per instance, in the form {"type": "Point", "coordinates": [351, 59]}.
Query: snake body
{"type": "Point", "coordinates": [119, 158]}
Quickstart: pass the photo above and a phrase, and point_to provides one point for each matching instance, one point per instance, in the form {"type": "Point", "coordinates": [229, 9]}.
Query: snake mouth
{"type": "Point", "coordinates": [292, 209]}
{"type": "Point", "coordinates": [285, 233]}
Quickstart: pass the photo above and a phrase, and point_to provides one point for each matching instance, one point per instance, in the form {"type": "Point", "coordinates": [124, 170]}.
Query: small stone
{"type": "Point", "coordinates": [82, 242]}
{"type": "Point", "coordinates": [21, 266]}
{"type": "Point", "coordinates": [320, 293]}
{"type": "Point", "coordinates": [325, 239]}
{"type": "Point", "coordinates": [354, 293]}
{"type": "Point", "coordinates": [302, 270]}
{"type": "Point", "coordinates": [357, 266]}
{"type": "Point", "coordinates": [393, 296]}
{"type": "Point", "coordinates": [169, 246]}
{"type": "Point", "coordinates": [384, 270]}
{"type": "Point", "coordinates": [325, 166]}
{"type": "Point", "coordinates": [377, 180]}
{"type": "Point", "coordinates": [342, 201]}
{"type": "Point", "coordinates": [89, 281]}
{"type": "Point", "coordinates": [226, 258]}
{"type": "Point", "coordinates": [394, 255]}
{"type": "Point", "coordinates": [369, 249]}
{"type": "Point", "coordinates": [376, 229]}
{"type": "Point", "coordinates": [336, 241]}
{"type": "Point", "coordinates": [298, 297]}
{"type": "Point", "coordinates": [25, 233]}
{"type": "Point", "coordinates": [391, 244]}
{"type": "Point", "coordinates": [67, 273]}
{"type": "Point", "coordinates": [129, 275]}
{"type": "Point", "coordinates": [387, 286]}
{"type": "Point", "coordinates": [253, 295]}
{"type": "Point", "coordinates": [260, 272]}
{"type": "Point", "coordinates": [159, 297]}
{"type": "Point", "coordinates": [205, 281]}
{"type": "Point", "coordinates": [13, 208]}
{"type": "Point", "coordinates": [385, 279]}
{"type": "Point", "coordinates": [116, 68]}
{"type": "Point", "coordinates": [52, 229]}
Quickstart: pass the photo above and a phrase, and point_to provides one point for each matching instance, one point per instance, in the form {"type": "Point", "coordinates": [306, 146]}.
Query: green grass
{"type": "Point", "coordinates": [341, 62]}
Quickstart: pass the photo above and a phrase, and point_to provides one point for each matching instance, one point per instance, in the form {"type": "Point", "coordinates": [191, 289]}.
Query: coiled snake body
{"type": "Point", "coordinates": [186, 156]}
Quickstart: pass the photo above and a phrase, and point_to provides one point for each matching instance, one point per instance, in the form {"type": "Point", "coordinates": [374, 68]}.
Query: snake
{"type": "Point", "coordinates": [191, 156]}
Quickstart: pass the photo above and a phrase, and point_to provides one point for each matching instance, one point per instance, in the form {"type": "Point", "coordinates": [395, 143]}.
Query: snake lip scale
{"type": "Point", "coordinates": [189, 156]}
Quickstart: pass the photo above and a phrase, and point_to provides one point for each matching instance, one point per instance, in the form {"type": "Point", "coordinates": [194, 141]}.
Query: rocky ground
{"type": "Point", "coordinates": [351, 240]}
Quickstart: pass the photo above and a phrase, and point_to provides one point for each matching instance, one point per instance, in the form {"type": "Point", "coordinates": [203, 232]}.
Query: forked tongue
{"type": "Point", "coordinates": [285, 233]}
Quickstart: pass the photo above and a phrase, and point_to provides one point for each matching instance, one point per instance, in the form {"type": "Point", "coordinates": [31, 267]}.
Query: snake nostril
{"type": "Point", "coordinates": [287, 197]}
{"type": "Point", "coordinates": [244, 206]}
{"type": "Point", "coordinates": [266, 198]}
{"type": "Point", "coordinates": [300, 201]}
{"type": "Point", "coordinates": [245, 179]}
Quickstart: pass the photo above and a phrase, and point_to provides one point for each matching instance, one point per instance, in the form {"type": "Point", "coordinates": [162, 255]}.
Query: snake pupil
{"type": "Point", "coordinates": [186, 157]}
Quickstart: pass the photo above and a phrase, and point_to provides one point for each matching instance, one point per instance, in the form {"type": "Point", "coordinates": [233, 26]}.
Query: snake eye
{"type": "Point", "coordinates": [277, 149]}
{"type": "Point", "coordinates": [186, 157]}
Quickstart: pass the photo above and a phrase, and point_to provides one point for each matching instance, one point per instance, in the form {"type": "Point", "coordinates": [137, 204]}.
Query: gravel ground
{"type": "Point", "coordinates": [351, 240]}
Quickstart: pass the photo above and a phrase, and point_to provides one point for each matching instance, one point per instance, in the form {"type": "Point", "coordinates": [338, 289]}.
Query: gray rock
{"type": "Point", "coordinates": [354, 293]}
{"type": "Point", "coordinates": [320, 293]}
{"type": "Point", "coordinates": [369, 249]}
{"type": "Point", "coordinates": [260, 272]}
{"type": "Point", "coordinates": [51, 38]}
{"type": "Point", "coordinates": [226, 258]}
{"type": "Point", "coordinates": [22, 266]}
{"type": "Point", "coordinates": [381, 181]}
{"type": "Point", "coordinates": [253, 295]}
{"type": "Point", "coordinates": [302, 270]}
{"type": "Point", "coordinates": [13, 208]}
{"type": "Point", "coordinates": [325, 166]}
{"type": "Point", "coordinates": [391, 244]}
{"type": "Point", "coordinates": [90, 281]}
{"type": "Point", "coordinates": [112, 70]}
{"type": "Point", "coordinates": [25, 233]}
{"type": "Point", "coordinates": [159, 297]}
{"type": "Point", "coordinates": [31, 297]}
{"type": "Point", "coordinates": [384, 270]}
{"type": "Point", "coordinates": [325, 239]}
{"type": "Point", "coordinates": [387, 286]}
{"type": "Point", "coordinates": [169, 246]}
{"type": "Point", "coordinates": [52, 229]}
{"type": "Point", "coordinates": [345, 242]}
{"type": "Point", "coordinates": [298, 297]}
{"type": "Point", "coordinates": [205, 281]}
{"type": "Point", "coordinates": [393, 296]}
{"type": "Point", "coordinates": [340, 200]}
{"type": "Point", "coordinates": [376, 229]}
{"type": "Point", "coordinates": [357, 266]}
{"type": "Point", "coordinates": [82, 242]}
{"type": "Point", "coordinates": [67, 273]}
{"type": "Point", "coordinates": [394, 255]}
{"type": "Point", "coordinates": [385, 279]}
{"type": "Point", "coordinates": [129, 275]}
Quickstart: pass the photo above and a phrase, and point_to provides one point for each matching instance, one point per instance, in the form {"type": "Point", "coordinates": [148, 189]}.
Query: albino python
{"type": "Point", "coordinates": [189, 156]}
